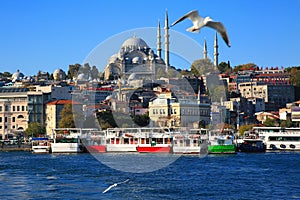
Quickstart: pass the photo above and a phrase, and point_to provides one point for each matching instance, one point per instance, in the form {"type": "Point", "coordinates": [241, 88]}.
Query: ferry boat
{"type": "Point", "coordinates": [221, 142]}
{"type": "Point", "coordinates": [122, 139]}
{"type": "Point", "coordinates": [190, 142]}
{"type": "Point", "coordinates": [155, 140]}
{"type": "Point", "coordinates": [251, 143]}
{"type": "Point", "coordinates": [40, 145]}
{"type": "Point", "coordinates": [94, 141]}
{"type": "Point", "coordinates": [279, 138]}
{"type": "Point", "coordinates": [67, 140]}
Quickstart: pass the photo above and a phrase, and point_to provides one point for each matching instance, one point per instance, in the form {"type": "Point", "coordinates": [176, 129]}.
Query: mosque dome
{"type": "Point", "coordinates": [113, 58]}
{"type": "Point", "coordinates": [135, 42]}
{"type": "Point", "coordinates": [59, 75]}
{"type": "Point", "coordinates": [17, 75]}
{"type": "Point", "coordinates": [81, 77]}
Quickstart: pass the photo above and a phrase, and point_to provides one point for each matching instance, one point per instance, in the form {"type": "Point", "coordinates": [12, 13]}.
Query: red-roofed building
{"type": "Point", "coordinates": [53, 110]}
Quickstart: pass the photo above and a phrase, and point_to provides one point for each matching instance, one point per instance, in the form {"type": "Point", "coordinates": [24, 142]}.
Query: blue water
{"type": "Point", "coordinates": [80, 176]}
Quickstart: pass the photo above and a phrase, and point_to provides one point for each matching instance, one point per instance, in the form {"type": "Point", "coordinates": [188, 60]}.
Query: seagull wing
{"type": "Point", "coordinates": [107, 189]}
{"type": "Point", "coordinates": [218, 26]}
{"type": "Point", "coordinates": [192, 15]}
{"type": "Point", "coordinates": [123, 181]}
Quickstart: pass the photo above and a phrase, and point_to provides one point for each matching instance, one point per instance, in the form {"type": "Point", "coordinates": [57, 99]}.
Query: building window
{"type": "Point", "coordinates": [13, 119]}
{"type": "Point", "coordinates": [5, 119]}
{"type": "Point", "coordinates": [23, 108]}
{"type": "Point", "coordinates": [0, 108]}
{"type": "Point", "coordinates": [6, 108]}
{"type": "Point", "coordinates": [0, 127]}
{"type": "Point", "coordinates": [0, 119]}
{"type": "Point", "coordinates": [18, 108]}
{"type": "Point", "coordinates": [13, 108]}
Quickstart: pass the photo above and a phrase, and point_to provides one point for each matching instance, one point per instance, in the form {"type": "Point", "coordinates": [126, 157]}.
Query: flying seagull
{"type": "Point", "coordinates": [199, 22]}
{"type": "Point", "coordinates": [114, 185]}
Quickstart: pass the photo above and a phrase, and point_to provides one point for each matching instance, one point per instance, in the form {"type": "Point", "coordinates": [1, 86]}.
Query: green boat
{"type": "Point", "coordinates": [221, 144]}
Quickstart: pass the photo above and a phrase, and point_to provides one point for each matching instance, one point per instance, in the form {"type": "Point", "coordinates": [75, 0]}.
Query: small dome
{"type": "Point", "coordinates": [81, 77]}
{"type": "Point", "coordinates": [59, 75]}
{"type": "Point", "coordinates": [136, 60]}
{"type": "Point", "coordinates": [135, 42]}
{"type": "Point", "coordinates": [113, 58]}
{"type": "Point", "coordinates": [17, 75]}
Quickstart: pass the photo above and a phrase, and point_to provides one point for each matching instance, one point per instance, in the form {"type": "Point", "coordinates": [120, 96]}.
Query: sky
{"type": "Point", "coordinates": [49, 34]}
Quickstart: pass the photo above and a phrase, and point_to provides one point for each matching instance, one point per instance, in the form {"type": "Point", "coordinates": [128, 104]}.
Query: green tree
{"type": "Point", "coordinates": [141, 120]}
{"type": "Point", "coordinates": [35, 129]}
{"type": "Point", "coordinates": [286, 123]}
{"type": "Point", "coordinates": [86, 69]}
{"type": "Point", "coordinates": [269, 122]}
{"type": "Point", "coordinates": [94, 72]}
{"type": "Point", "coordinates": [224, 67]}
{"type": "Point", "coordinates": [248, 66]}
{"type": "Point", "coordinates": [106, 120]}
{"type": "Point", "coordinates": [202, 66]}
{"type": "Point", "coordinates": [295, 76]}
{"type": "Point", "coordinates": [7, 74]}
{"type": "Point", "coordinates": [73, 70]}
{"type": "Point", "coordinates": [66, 117]}
{"type": "Point", "coordinates": [244, 128]}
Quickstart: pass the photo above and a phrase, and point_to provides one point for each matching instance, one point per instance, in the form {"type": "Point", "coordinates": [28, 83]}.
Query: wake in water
{"type": "Point", "coordinates": [114, 185]}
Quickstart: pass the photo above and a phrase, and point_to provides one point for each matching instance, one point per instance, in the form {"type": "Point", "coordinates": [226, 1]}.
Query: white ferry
{"type": "Point", "coordinates": [278, 138]}
{"type": "Point", "coordinates": [94, 141]}
{"type": "Point", "coordinates": [67, 140]}
{"type": "Point", "coordinates": [40, 145]}
{"type": "Point", "coordinates": [142, 140]}
{"type": "Point", "coordinates": [122, 139]}
{"type": "Point", "coordinates": [190, 142]}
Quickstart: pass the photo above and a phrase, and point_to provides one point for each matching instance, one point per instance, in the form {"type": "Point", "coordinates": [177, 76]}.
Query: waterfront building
{"type": "Point", "coordinates": [166, 110]}
{"type": "Point", "coordinates": [272, 94]}
{"type": "Point", "coordinates": [13, 111]}
{"type": "Point", "coordinates": [40, 95]}
{"type": "Point", "coordinates": [53, 109]}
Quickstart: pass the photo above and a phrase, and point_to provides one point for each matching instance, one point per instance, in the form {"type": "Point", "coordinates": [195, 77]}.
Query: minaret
{"type": "Point", "coordinates": [167, 41]}
{"type": "Point", "coordinates": [199, 95]}
{"type": "Point", "coordinates": [216, 53]}
{"type": "Point", "coordinates": [204, 50]}
{"type": "Point", "coordinates": [158, 40]}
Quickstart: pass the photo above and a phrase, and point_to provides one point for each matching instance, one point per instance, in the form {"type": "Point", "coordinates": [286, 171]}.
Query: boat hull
{"type": "Point", "coordinates": [40, 149]}
{"type": "Point", "coordinates": [186, 150]}
{"type": "Point", "coordinates": [282, 146]}
{"type": "Point", "coordinates": [153, 149]}
{"type": "Point", "coordinates": [221, 149]}
{"type": "Point", "coordinates": [252, 147]}
{"type": "Point", "coordinates": [66, 148]}
{"type": "Point", "coordinates": [96, 148]}
{"type": "Point", "coordinates": [121, 148]}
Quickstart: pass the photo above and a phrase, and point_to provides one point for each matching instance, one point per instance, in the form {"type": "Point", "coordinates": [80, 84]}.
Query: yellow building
{"type": "Point", "coordinates": [170, 112]}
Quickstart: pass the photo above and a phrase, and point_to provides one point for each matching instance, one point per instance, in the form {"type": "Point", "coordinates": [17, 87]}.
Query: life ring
{"type": "Point", "coordinates": [292, 146]}
{"type": "Point", "coordinates": [282, 146]}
